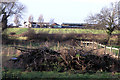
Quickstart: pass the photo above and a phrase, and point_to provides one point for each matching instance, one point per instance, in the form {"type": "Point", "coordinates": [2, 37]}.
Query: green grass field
{"type": "Point", "coordinates": [19, 74]}
{"type": "Point", "coordinates": [58, 30]}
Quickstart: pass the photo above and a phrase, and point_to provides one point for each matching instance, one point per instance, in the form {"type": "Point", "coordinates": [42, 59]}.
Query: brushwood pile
{"type": "Point", "coordinates": [45, 59]}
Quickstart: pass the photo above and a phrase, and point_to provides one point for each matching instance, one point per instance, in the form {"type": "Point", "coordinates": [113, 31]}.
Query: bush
{"type": "Point", "coordinates": [50, 37]}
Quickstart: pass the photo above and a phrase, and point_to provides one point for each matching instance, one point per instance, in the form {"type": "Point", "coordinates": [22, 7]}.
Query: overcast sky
{"type": "Point", "coordinates": [63, 11]}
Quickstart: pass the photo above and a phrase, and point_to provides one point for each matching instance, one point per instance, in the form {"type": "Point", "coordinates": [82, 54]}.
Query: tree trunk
{"type": "Point", "coordinates": [4, 22]}
{"type": "Point", "coordinates": [118, 39]}
{"type": "Point", "coordinates": [108, 39]}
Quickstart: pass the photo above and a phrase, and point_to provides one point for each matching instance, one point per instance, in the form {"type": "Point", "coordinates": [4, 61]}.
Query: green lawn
{"type": "Point", "coordinates": [52, 74]}
{"type": "Point", "coordinates": [16, 30]}
{"type": "Point", "coordinates": [57, 30]}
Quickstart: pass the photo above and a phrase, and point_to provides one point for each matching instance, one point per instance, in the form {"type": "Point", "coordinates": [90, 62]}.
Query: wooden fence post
{"type": "Point", "coordinates": [100, 46]}
{"type": "Point", "coordinates": [96, 45]}
{"type": "Point", "coordinates": [105, 50]}
{"type": "Point", "coordinates": [30, 45]}
{"type": "Point", "coordinates": [8, 51]}
{"type": "Point", "coordinates": [81, 43]}
{"type": "Point", "coordinates": [111, 50]}
{"type": "Point", "coordinates": [119, 54]}
{"type": "Point", "coordinates": [86, 44]}
{"type": "Point", "coordinates": [14, 50]}
{"type": "Point", "coordinates": [93, 44]}
{"type": "Point", "coordinates": [58, 46]}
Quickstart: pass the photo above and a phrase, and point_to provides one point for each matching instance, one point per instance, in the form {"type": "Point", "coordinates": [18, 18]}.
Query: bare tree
{"type": "Point", "coordinates": [16, 20]}
{"type": "Point", "coordinates": [51, 22]}
{"type": "Point", "coordinates": [119, 22]}
{"type": "Point", "coordinates": [30, 19]}
{"type": "Point", "coordinates": [8, 9]}
{"type": "Point", "coordinates": [41, 20]}
{"type": "Point", "coordinates": [107, 17]}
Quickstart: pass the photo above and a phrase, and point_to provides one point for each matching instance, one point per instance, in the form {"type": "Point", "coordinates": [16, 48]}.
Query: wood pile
{"type": "Point", "coordinates": [44, 59]}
